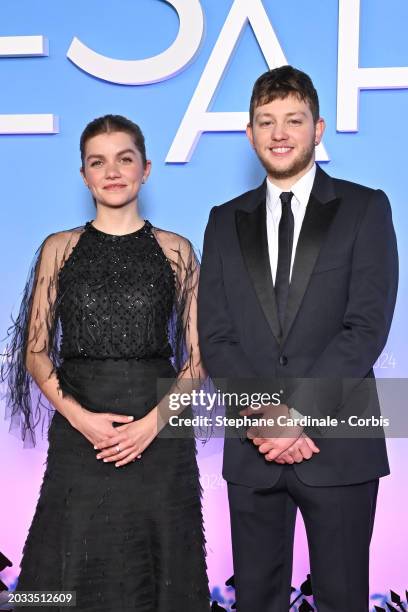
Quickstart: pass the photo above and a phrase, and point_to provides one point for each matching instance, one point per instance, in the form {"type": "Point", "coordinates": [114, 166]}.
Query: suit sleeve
{"type": "Point", "coordinates": [219, 344]}
{"type": "Point", "coordinates": [372, 294]}
{"type": "Point", "coordinates": [340, 381]}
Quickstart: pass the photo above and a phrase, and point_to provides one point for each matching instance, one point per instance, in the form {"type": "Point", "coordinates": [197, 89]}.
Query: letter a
{"type": "Point", "coordinates": [197, 119]}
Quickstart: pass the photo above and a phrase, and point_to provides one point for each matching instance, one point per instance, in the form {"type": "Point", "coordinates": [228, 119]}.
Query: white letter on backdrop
{"type": "Point", "coordinates": [197, 119]}
{"type": "Point", "coordinates": [351, 78]}
{"type": "Point", "coordinates": [26, 46]}
{"type": "Point", "coordinates": [153, 69]}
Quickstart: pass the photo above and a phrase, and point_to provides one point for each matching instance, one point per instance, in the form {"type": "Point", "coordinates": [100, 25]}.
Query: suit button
{"type": "Point", "coordinates": [283, 360]}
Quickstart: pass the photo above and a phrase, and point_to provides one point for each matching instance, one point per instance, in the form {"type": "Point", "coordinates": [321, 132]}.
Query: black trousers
{"type": "Point", "coordinates": [339, 522]}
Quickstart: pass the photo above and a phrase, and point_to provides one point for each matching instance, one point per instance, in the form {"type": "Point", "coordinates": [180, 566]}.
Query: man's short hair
{"type": "Point", "coordinates": [280, 83]}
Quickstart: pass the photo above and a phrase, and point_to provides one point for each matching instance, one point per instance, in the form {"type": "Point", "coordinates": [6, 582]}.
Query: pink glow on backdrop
{"type": "Point", "coordinates": [22, 478]}
{"type": "Point", "coordinates": [390, 538]}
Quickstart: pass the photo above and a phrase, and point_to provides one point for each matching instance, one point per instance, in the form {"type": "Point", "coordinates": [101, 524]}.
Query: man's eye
{"type": "Point", "coordinates": [95, 163]}
{"type": "Point", "coordinates": [265, 123]}
{"type": "Point", "coordinates": [295, 122]}
{"type": "Point", "coordinates": [127, 160]}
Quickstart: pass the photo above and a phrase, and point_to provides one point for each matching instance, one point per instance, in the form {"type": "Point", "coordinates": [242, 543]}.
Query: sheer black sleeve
{"type": "Point", "coordinates": [183, 332]}
{"type": "Point", "coordinates": [32, 352]}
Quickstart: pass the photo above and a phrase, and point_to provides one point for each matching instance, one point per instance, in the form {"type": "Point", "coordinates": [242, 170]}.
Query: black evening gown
{"type": "Point", "coordinates": [129, 538]}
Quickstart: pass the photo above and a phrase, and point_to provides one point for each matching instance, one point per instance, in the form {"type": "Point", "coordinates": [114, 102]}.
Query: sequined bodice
{"type": "Point", "coordinates": [116, 295]}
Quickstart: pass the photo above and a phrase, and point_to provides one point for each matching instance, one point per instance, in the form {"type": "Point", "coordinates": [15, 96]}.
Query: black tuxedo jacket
{"type": "Point", "coordinates": [340, 306]}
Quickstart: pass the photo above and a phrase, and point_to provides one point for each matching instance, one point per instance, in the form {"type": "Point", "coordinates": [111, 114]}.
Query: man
{"type": "Point", "coordinates": [298, 280]}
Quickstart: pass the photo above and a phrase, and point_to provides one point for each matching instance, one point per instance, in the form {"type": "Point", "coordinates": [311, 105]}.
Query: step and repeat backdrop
{"type": "Point", "coordinates": [184, 70]}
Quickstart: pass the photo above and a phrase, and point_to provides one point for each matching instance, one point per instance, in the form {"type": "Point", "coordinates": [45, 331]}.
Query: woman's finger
{"type": "Point", "coordinates": [115, 452]}
{"type": "Point", "coordinates": [119, 418]}
{"type": "Point", "coordinates": [131, 457]}
{"type": "Point", "coordinates": [108, 442]}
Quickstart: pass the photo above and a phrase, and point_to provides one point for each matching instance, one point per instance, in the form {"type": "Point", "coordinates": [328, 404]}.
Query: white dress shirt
{"type": "Point", "coordinates": [301, 194]}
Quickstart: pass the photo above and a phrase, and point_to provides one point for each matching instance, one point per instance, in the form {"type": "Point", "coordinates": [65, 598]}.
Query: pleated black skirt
{"type": "Point", "coordinates": [124, 539]}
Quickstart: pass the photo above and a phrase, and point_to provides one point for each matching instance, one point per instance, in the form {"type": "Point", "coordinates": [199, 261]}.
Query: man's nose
{"type": "Point", "coordinates": [279, 132]}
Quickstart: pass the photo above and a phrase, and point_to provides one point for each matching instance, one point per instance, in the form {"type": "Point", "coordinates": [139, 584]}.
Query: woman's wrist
{"type": "Point", "coordinates": [76, 416]}
{"type": "Point", "coordinates": [153, 419]}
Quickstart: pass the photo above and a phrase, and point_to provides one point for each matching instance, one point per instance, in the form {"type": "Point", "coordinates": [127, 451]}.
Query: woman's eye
{"type": "Point", "coordinates": [295, 122]}
{"type": "Point", "coordinates": [127, 160]}
{"type": "Point", "coordinates": [95, 163]}
{"type": "Point", "coordinates": [265, 123]}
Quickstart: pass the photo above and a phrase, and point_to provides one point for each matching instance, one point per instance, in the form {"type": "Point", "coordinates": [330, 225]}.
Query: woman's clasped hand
{"type": "Point", "coordinates": [129, 441]}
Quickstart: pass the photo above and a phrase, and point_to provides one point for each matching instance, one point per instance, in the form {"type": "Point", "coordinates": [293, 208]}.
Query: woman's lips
{"type": "Point", "coordinates": [116, 187]}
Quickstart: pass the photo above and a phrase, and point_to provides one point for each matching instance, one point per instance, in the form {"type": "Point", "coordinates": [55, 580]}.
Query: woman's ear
{"type": "Point", "coordinates": [82, 173]}
{"type": "Point", "coordinates": [147, 170]}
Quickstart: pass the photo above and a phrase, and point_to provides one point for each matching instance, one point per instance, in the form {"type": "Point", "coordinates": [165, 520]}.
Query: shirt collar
{"type": "Point", "coordinates": [301, 190]}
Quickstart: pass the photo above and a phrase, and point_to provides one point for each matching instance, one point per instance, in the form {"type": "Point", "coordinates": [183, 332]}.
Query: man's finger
{"type": "Point", "coordinates": [297, 456]}
{"type": "Point", "coordinates": [251, 411]}
{"type": "Point", "coordinates": [285, 458]}
{"type": "Point", "coordinates": [259, 441]}
{"type": "Point", "coordinates": [306, 452]}
{"type": "Point", "coordinates": [267, 445]}
{"type": "Point", "coordinates": [311, 444]}
{"type": "Point", "coordinates": [252, 433]}
{"type": "Point", "coordinates": [273, 454]}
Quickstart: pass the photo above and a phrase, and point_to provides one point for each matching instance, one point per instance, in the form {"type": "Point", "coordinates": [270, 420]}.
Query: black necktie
{"type": "Point", "coordinates": [286, 226]}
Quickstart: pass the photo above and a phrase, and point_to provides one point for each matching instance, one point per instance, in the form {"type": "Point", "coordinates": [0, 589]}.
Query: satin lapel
{"type": "Point", "coordinates": [316, 223]}
{"type": "Point", "coordinates": [253, 239]}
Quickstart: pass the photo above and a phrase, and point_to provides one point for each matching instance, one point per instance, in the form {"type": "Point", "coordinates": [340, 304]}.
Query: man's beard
{"type": "Point", "coordinates": [299, 164]}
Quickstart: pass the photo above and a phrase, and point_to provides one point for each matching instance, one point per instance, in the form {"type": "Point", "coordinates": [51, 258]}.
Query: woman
{"type": "Point", "coordinates": [93, 333]}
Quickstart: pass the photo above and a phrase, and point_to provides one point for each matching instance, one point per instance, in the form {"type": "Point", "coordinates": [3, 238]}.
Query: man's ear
{"type": "Point", "coordinates": [250, 135]}
{"type": "Point", "coordinates": [319, 130]}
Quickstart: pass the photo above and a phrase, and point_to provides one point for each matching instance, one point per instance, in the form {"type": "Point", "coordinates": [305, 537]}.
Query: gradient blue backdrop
{"type": "Point", "coordinates": [42, 191]}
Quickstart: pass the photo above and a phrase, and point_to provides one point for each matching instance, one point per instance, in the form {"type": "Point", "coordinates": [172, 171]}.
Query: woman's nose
{"type": "Point", "coordinates": [112, 169]}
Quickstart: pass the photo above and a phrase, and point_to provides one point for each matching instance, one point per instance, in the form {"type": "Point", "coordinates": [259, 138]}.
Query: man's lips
{"type": "Point", "coordinates": [281, 151]}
